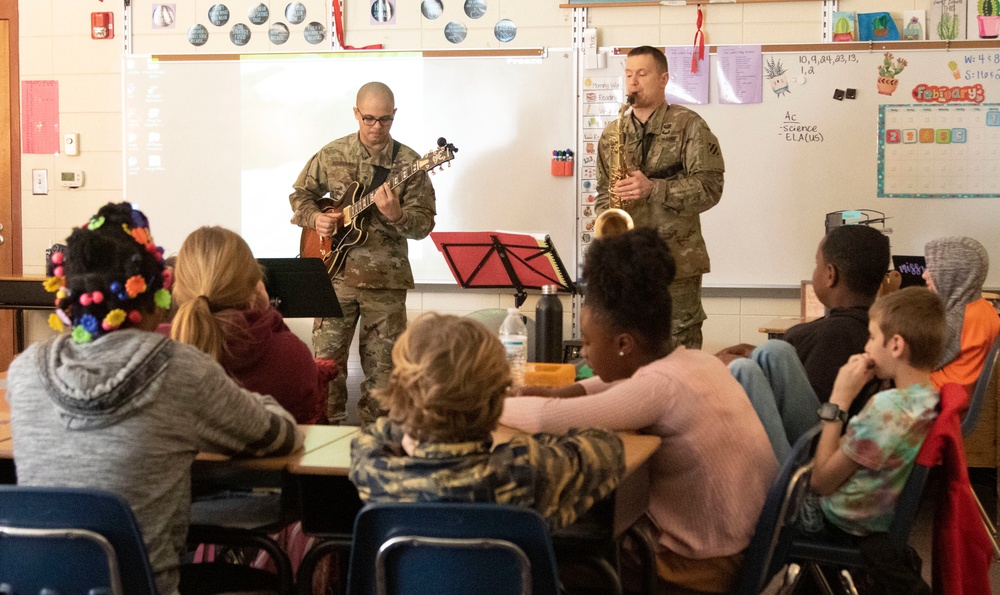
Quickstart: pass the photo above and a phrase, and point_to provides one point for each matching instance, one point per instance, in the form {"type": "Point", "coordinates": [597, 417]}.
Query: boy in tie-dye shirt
{"type": "Point", "coordinates": [859, 476]}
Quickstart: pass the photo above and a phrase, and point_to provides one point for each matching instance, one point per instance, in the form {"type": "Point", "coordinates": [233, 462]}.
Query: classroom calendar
{"type": "Point", "coordinates": [939, 151]}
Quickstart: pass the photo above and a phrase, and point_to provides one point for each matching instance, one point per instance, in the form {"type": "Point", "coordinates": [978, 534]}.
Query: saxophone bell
{"type": "Point", "coordinates": [612, 222]}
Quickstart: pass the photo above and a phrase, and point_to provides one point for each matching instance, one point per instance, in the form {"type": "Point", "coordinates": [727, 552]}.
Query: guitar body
{"type": "Point", "coordinates": [333, 250]}
{"type": "Point", "coordinates": [350, 231]}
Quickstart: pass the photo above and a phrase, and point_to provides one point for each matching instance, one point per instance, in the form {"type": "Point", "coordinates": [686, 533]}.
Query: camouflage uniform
{"type": "Point", "coordinates": [681, 157]}
{"type": "Point", "coordinates": [560, 476]}
{"type": "Point", "coordinates": [372, 285]}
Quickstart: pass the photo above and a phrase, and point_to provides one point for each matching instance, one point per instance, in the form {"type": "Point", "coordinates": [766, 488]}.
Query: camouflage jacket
{"type": "Point", "coordinates": [559, 476]}
{"type": "Point", "coordinates": [684, 162]}
{"type": "Point", "coordinates": [381, 262]}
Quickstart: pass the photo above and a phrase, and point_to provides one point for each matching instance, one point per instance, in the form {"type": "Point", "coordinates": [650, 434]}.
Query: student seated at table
{"type": "Point", "coordinates": [112, 405]}
{"type": "Point", "coordinates": [956, 270]}
{"type": "Point", "coordinates": [444, 397]}
{"type": "Point", "coordinates": [224, 310]}
{"type": "Point", "coordinates": [851, 262]}
{"type": "Point", "coordinates": [858, 476]}
{"type": "Point", "coordinates": [712, 471]}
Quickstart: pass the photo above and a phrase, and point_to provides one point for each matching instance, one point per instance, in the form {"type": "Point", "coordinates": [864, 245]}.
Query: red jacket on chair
{"type": "Point", "coordinates": [961, 548]}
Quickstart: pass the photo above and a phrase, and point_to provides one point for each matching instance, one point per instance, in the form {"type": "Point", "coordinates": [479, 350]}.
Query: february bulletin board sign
{"type": "Point", "coordinates": [939, 151]}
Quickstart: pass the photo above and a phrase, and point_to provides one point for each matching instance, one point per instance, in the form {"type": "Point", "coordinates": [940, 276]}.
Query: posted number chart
{"type": "Point", "coordinates": [939, 151]}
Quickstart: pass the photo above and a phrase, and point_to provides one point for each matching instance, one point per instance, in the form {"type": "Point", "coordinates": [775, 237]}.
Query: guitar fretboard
{"type": "Point", "coordinates": [369, 199]}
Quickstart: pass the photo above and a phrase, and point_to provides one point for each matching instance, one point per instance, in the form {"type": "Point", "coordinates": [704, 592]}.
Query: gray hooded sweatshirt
{"type": "Point", "coordinates": [127, 414]}
{"type": "Point", "coordinates": [958, 266]}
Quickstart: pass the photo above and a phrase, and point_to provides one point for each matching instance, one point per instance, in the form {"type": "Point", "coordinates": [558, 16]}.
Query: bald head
{"type": "Point", "coordinates": [376, 91]}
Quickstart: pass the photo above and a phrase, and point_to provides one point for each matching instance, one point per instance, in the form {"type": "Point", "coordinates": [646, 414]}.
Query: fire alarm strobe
{"type": "Point", "coordinates": [102, 25]}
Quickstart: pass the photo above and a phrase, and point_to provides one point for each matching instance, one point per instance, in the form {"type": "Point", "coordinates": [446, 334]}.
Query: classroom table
{"type": "Point", "coordinates": [630, 500]}
{"type": "Point", "coordinates": [315, 438]}
{"type": "Point", "coordinates": [328, 501]}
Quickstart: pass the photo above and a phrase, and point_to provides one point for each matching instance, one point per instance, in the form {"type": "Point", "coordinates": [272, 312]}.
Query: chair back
{"type": "Point", "coordinates": [71, 541]}
{"type": "Point", "coordinates": [763, 556]}
{"type": "Point", "coordinates": [909, 499]}
{"type": "Point", "coordinates": [454, 548]}
{"type": "Point", "coordinates": [907, 506]}
{"type": "Point", "coordinates": [979, 392]}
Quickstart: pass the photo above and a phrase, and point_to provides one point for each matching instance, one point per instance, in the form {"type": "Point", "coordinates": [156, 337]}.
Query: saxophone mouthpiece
{"type": "Point", "coordinates": [630, 99]}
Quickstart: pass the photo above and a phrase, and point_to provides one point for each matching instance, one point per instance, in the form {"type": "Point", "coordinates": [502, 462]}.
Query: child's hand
{"type": "Point", "coordinates": [852, 377]}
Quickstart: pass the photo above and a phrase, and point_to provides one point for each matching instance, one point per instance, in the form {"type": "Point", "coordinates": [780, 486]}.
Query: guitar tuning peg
{"type": "Point", "coordinates": [432, 172]}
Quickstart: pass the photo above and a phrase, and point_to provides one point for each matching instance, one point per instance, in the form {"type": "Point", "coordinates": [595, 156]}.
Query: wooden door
{"type": "Point", "coordinates": [10, 167]}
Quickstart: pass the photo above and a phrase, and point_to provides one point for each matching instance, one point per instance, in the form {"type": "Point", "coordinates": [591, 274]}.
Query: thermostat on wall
{"type": "Point", "coordinates": [71, 179]}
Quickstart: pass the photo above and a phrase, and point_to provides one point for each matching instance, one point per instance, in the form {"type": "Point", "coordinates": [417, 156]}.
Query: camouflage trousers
{"type": "Point", "coordinates": [382, 317]}
{"type": "Point", "coordinates": [685, 293]}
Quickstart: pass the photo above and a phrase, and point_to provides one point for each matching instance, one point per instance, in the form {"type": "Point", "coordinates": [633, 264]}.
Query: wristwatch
{"type": "Point", "coordinates": [831, 412]}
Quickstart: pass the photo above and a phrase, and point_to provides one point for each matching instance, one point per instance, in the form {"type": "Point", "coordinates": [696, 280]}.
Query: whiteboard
{"type": "Point", "coordinates": [221, 142]}
{"type": "Point", "coordinates": [801, 154]}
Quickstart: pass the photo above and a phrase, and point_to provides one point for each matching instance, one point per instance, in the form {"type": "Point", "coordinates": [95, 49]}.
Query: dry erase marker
{"type": "Point", "coordinates": [568, 164]}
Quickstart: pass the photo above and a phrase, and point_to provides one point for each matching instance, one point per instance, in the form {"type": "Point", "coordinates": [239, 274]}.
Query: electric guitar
{"type": "Point", "coordinates": [350, 231]}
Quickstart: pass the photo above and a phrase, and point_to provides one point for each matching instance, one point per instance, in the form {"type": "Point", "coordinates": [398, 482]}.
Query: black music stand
{"type": "Point", "coordinates": [300, 287]}
{"type": "Point", "coordinates": [20, 294]}
{"type": "Point", "coordinates": [495, 259]}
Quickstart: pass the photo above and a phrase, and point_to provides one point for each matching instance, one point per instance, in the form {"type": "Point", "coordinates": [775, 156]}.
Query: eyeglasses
{"type": "Point", "coordinates": [370, 120]}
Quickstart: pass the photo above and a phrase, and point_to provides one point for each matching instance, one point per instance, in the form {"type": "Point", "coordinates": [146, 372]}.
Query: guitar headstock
{"type": "Point", "coordinates": [438, 157]}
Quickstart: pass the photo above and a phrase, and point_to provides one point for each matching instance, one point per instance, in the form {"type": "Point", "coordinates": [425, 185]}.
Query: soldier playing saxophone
{"type": "Point", "coordinates": [677, 174]}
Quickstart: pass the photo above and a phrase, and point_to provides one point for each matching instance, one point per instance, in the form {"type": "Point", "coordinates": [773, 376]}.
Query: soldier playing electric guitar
{"type": "Point", "coordinates": [371, 271]}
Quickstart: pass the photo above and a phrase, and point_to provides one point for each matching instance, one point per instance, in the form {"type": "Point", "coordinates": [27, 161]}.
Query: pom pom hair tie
{"type": "Point", "coordinates": [81, 312]}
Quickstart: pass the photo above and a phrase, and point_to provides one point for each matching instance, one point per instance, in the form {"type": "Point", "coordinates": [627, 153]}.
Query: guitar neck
{"type": "Point", "coordinates": [369, 199]}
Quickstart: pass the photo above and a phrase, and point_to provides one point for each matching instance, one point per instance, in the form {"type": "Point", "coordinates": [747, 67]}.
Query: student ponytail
{"type": "Point", "coordinates": [215, 273]}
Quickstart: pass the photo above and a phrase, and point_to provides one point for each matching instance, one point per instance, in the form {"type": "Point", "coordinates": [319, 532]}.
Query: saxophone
{"type": "Point", "coordinates": [616, 221]}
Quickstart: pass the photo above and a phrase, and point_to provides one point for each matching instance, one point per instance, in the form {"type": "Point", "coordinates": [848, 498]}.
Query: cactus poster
{"type": "Point", "coordinates": [876, 26]}
{"type": "Point", "coordinates": [946, 19]}
{"type": "Point", "coordinates": [914, 25]}
{"type": "Point", "coordinates": [843, 26]}
{"type": "Point", "coordinates": [984, 19]}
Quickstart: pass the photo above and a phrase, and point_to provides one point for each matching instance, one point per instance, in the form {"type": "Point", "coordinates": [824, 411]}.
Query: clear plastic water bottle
{"type": "Point", "coordinates": [514, 336]}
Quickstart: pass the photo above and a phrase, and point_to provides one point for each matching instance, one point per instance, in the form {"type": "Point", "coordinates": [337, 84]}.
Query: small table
{"type": "Point", "coordinates": [776, 329]}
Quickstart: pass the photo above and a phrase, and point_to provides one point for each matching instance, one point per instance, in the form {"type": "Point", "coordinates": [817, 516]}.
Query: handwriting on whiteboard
{"type": "Point", "coordinates": [794, 131]}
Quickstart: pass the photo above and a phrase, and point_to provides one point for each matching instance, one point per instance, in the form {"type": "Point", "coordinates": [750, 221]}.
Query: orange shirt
{"type": "Point", "coordinates": [979, 329]}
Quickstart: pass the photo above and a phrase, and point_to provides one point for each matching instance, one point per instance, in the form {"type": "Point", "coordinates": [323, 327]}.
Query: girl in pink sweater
{"type": "Point", "coordinates": [715, 464]}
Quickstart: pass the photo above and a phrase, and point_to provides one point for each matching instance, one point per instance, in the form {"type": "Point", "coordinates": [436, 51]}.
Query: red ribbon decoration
{"type": "Point", "coordinates": [699, 43]}
{"type": "Point", "coordinates": [338, 23]}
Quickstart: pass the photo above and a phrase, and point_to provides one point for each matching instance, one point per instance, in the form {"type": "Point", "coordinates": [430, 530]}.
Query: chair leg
{"type": "Point", "coordinates": [307, 567]}
{"type": "Point", "coordinates": [647, 555]}
{"type": "Point", "coordinates": [792, 574]}
{"type": "Point", "coordinates": [610, 574]}
{"type": "Point", "coordinates": [244, 538]}
{"type": "Point", "coordinates": [991, 529]}
{"type": "Point", "coordinates": [817, 573]}
{"type": "Point", "coordinates": [848, 582]}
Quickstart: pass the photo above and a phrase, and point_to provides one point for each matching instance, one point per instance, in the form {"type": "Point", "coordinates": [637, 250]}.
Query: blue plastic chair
{"type": "Point", "coordinates": [766, 552]}
{"type": "Point", "coordinates": [454, 548]}
{"type": "Point", "coordinates": [71, 541]}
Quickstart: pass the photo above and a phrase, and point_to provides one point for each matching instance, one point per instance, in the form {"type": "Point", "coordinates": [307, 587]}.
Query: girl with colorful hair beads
{"type": "Point", "coordinates": [112, 406]}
